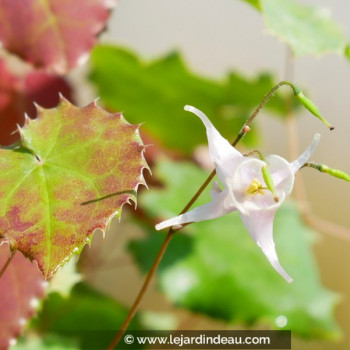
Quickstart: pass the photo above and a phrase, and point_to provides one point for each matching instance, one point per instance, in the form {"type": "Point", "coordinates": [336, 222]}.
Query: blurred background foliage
{"type": "Point", "coordinates": [213, 274]}
{"type": "Point", "coordinates": [159, 90]}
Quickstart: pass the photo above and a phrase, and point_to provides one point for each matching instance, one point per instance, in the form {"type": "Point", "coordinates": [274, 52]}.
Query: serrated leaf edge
{"type": "Point", "coordinates": [78, 249]}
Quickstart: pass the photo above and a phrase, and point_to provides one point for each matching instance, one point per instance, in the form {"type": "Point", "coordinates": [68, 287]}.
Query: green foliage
{"type": "Point", "coordinates": [156, 93]}
{"type": "Point", "coordinates": [219, 270]}
{"type": "Point", "coordinates": [307, 29]}
{"type": "Point", "coordinates": [87, 317]}
{"type": "Point", "coordinates": [70, 174]}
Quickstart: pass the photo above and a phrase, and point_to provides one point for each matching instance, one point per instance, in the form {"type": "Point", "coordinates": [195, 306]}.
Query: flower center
{"type": "Point", "coordinates": [255, 188]}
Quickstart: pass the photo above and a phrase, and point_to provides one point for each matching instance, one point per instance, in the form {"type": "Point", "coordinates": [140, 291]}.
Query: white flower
{"type": "Point", "coordinates": [245, 190]}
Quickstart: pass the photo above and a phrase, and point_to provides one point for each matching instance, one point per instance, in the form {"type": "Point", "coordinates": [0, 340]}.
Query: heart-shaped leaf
{"type": "Point", "coordinates": [70, 174]}
{"type": "Point", "coordinates": [306, 29]}
{"type": "Point", "coordinates": [21, 286]}
{"type": "Point", "coordinates": [52, 34]}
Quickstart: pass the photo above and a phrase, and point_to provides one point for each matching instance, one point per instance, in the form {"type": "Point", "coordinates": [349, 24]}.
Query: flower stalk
{"type": "Point", "coordinates": [245, 129]}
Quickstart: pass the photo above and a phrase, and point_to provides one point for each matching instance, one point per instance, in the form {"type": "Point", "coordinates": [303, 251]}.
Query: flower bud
{"type": "Point", "coordinates": [308, 104]}
{"type": "Point", "coordinates": [334, 172]}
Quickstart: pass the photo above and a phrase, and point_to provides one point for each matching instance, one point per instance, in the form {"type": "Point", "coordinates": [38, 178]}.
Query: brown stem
{"type": "Point", "coordinates": [7, 263]}
{"type": "Point", "coordinates": [261, 105]}
{"type": "Point", "coordinates": [142, 292]}
{"type": "Point", "coordinates": [245, 129]}
{"type": "Point", "coordinates": [292, 135]}
{"type": "Point", "coordinates": [312, 220]}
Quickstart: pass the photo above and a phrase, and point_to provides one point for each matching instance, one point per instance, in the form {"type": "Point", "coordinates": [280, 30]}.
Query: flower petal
{"type": "Point", "coordinates": [282, 174]}
{"type": "Point", "coordinates": [215, 189]}
{"type": "Point", "coordinates": [208, 211]}
{"type": "Point", "coordinates": [222, 153]}
{"type": "Point", "coordinates": [298, 163]}
{"type": "Point", "coordinates": [260, 227]}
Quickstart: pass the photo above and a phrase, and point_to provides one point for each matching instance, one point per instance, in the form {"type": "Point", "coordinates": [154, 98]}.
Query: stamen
{"type": "Point", "coordinates": [255, 188]}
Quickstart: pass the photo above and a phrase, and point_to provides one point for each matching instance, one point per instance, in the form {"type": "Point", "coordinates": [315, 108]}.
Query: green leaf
{"type": "Point", "coordinates": [87, 316]}
{"type": "Point", "coordinates": [157, 92]}
{"type": "Point", "coordinates": [218, 269]}
{"type": "Point", "coordinates": [70, 174]}
{"type": "Point", "coordinates": [308, 30]}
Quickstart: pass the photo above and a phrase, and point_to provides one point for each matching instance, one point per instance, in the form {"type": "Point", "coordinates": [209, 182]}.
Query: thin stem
{"type": "Point", "coordinates": [292, 133]}
{"type": "Point", "coordinates": [7, 263]}
{"type": "Point", "coordinates": [261, 105]}
{"type": "Point", "coordinates": [256, 152]}
{"type": "Point", "coordinates": [199, 192]}
{"type": "Point", "coordinates": [311, 165]}
{"type": "Point", "coordinates": [245, 129]}
{"type": "Point", "coordinates": [142, 291]}
{"type": "Point", "coordinates": [289, 64]}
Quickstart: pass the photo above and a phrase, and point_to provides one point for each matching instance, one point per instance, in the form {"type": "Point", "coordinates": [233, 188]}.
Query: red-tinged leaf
{"type": "Point", "coordinates": [52, 34]}
{"type": "Point", "coordinates": [21, 287]}
{"type": "Point", "coordinates": [44, 89]}
{"type": "Point", "coordinates": [72, 172]}
{"type": "Point", "coordinates": [18, 93]}
{"type": "Point", "coordinates": [10, 106]}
